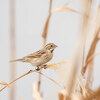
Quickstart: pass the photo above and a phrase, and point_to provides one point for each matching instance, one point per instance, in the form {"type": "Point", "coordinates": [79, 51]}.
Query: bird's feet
{"type": "Point", "coordinates": [37, 69]}
{"type": "Point", "coordinates": [45, 66]}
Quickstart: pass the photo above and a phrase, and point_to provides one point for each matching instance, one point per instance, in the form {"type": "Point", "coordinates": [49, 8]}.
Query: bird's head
{"type": "Point", "coordinates": [50, 46]}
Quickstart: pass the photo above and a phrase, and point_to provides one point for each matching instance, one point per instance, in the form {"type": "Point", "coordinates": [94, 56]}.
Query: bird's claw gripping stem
{"type": "Point", "coordinates": [45, 66]}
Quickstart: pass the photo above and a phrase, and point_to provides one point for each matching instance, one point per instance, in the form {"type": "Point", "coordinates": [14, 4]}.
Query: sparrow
{"type": "Point", "coordinates": [40, 57]}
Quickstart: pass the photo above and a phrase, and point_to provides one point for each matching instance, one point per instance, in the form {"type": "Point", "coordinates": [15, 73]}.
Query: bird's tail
{"type": "Point", "coordinates": [16, 60]}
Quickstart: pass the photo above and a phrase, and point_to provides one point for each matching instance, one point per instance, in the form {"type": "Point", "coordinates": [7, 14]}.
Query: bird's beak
{"type": "Point", "coordinates": [56, 46]}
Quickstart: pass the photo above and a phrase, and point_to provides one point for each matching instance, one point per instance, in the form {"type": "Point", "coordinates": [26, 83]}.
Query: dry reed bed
{"type": "Point", "coordinates": [80, 83]}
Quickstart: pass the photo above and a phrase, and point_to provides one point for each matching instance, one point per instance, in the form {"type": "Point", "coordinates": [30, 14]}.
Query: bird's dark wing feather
{"type": "Point", "coordinates": [37, 54]}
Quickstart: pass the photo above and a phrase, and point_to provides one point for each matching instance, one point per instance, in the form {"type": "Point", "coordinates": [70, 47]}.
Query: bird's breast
{"type": "Point", "coordinates": [47, 57]}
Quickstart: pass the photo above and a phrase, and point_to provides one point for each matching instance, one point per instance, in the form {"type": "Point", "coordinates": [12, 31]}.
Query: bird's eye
{"type": "Point", "coordinates": [51, 45]}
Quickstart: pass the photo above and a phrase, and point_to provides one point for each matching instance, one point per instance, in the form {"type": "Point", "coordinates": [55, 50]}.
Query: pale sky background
{"type": "Point", "coordinates": [64, 29]}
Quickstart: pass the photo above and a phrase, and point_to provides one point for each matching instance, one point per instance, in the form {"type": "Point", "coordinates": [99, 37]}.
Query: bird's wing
{"type": "Point", "coordinates": [37, 54]}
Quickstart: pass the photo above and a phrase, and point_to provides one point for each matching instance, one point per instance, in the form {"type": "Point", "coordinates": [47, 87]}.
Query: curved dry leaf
{"type": "Point", "coordinates": [63, 8]}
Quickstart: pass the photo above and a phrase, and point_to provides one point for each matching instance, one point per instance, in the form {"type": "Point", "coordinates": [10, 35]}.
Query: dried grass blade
{"type": "Point", "coordinates": [50, 79]}
{"type": "Point", "coordinates": [63, 8]}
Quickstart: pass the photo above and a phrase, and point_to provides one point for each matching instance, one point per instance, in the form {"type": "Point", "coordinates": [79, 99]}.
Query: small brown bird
{"type": "Point", "coordinates": [40, 57]}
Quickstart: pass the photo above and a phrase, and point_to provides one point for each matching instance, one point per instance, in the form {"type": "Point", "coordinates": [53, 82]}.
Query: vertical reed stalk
{"type": "Point", "coordinates": [44, 35]}
{"type": "Point", "coordinates": [86, 15]}
{"type": "Point", "coordinates": [12, 45]}
{"type": "Point", "coordinates": [76, 61]}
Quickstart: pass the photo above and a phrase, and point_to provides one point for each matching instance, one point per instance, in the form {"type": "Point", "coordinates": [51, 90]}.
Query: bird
{"type": "Point", "coordinates": [40, 57]}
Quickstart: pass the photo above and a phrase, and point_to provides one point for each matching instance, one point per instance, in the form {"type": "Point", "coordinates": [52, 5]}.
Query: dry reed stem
{"type": "Point", "coordinates": [41, 67]}
{"type": "Point", "coordinates": [44, 35]}
{"type": "Point", "coordinates": [91, 51]}
{"type": "Point", "coordinates": [12, 45]}
{"type": "Point", "coordinates": [45, 30]}
{"type": "Point", "coordinates": [94, 42]}
{"type": "Point", "coordinates": [86, 14]}
{"type": "Point", "coordinates": [16, 94]}
{"type": "Point", "coordinates": [90, 58]}
{"type": "Point", "coordinates": [73, 74]}
{"type": "Point", "coordinates": [35, 93]}
{"type": "Point", "coordinates": [74, 71]}
{"type": "Point", "coordinates": [92, 48]}
{"type": "Point", "coordinates": [90, 71]}
{"type": "Point", "coordinates": [78, 53]}
{"type": "Point", "coordinates": [90, 68]}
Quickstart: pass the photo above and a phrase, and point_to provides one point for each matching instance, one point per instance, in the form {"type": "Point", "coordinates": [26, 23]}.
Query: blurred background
{"type": "Point", "coordinates": [29, 20]}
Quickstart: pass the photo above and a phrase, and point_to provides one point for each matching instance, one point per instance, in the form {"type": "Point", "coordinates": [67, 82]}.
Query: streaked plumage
{"type": "Point", "coordinates": [40, 57]}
